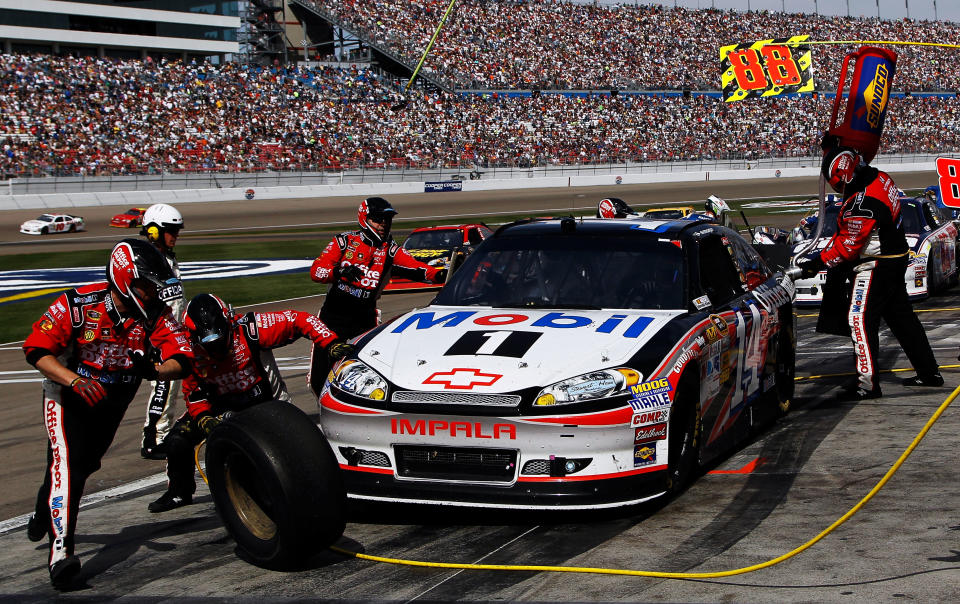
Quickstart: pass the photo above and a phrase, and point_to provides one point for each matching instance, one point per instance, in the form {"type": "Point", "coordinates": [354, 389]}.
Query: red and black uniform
{"type": "Point", "coordinates": [350, 307]}
{"type": "Point", "coordinates": [87, 334]}
{"type": "Point", "coordinates": [870, 249]}
{"type": "Point", "coordinates": [246, 376]}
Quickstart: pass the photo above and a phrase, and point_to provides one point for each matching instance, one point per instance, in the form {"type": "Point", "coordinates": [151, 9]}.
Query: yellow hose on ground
{"type": "Point", "coordinates": [675, 575]}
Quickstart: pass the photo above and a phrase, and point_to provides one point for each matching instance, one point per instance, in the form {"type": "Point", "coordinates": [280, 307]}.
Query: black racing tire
{"type": "Point", "coordinates": [44, 231]}
{"type": "Point", "coordinates": [276, 485]}
{"type": "Point", "coordinates": [132, 224]}
{"type": "Point", "coordinates": [785, 370]}
{"type": "Point", "coordinates": [684, 429]}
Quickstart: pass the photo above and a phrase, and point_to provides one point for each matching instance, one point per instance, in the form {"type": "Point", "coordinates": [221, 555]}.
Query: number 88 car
{"type": "Point", "coordinates": [569, 364]}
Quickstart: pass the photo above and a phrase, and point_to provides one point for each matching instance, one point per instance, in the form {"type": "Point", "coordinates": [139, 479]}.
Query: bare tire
{"type": "Point", "coordinates": [44, 231]}
{"type": "Point", "coordinates": [276, 485]}
{"type": "Point", "coordinates": [683, 430]}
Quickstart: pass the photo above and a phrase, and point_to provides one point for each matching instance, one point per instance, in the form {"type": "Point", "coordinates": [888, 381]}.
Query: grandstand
{"type": "Point", "coordinates": [76, 116]}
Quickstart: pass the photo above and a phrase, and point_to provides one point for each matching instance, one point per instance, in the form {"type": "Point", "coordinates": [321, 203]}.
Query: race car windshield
{"type": "Point", "coordinates": [570, 271]}
{"type": "Point", "coordinates": [912, 218]}
{"type": "Point", "coordinates": [45, 218]}
{"type": "Point", "coordinates": [425, 240]}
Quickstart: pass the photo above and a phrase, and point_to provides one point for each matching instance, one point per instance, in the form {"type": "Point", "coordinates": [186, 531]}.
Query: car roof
{"type": "Point", "coordinates": [668, 208]}
{"type": "Point", "coordinates": [446, 227]}
{"type": "Point", "coordinates": [661, 229]}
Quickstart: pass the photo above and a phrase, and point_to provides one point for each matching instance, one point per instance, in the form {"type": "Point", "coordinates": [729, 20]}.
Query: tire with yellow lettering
{"type": "Point", "coordinates": [683, 434]}
{"type": "Point", "coordinates": [276, 485]}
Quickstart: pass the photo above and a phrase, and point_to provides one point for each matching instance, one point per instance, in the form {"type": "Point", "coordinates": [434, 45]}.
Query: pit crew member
{"type": "Point", "coordinates": [92, 346]}
{"type": "Point", "coordinates": [870, 249]}
{"type": "Point", "coordinates": [357, 265]}
{"type": "Point", "coordinates": [233, 369]}
{"type": "Point", "coordinates": [161, 227]}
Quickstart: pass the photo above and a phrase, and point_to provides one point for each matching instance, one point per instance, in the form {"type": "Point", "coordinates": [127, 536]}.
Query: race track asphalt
{"type": "Point", "coordinates": [764, 499]}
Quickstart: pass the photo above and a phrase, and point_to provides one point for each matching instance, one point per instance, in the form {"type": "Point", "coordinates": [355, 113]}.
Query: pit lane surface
{"type": "Point", "coordinates": [765, 499]}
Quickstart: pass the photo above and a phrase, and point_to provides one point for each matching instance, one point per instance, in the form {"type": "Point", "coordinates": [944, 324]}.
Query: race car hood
{"type": "Point", "coordinates": [33, 224]}
{"type": "Point", "coordinates": [468, 349]}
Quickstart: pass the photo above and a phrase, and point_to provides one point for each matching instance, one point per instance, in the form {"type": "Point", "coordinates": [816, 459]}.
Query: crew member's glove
{"type": "Point", "coordinates": [440, 276]}
{"type": "Point", "coordinates": [143, 365]}
{"type": "Point", "coordinates": [208, 422]}
{"type": "Point", "coordinates": [337, 350]}
{"type": "Point", "coordinates": [351, 272]}
{"type": "Point", "coordinates": [810, 265]}
{"type": "Point", "coordinates": [91, 391]}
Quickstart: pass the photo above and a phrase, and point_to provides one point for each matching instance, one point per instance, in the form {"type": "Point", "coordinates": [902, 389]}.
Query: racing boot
{"type": "Point", "coordinates": [169, 501]}
{"type": "Point", "coordinates": [934, 380]}
{"type": "Point", "coordinates": [149, 448]}
{"type": "Point", "coordinates": [36, 527]}
{"type": "Point", "coordinates": [858, 394]}
{"type": "Point", "coordinates": [63, 574]}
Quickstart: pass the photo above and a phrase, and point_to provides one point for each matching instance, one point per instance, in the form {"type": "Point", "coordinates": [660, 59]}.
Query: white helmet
{"type": "Point", "coordinates": [160, 216]}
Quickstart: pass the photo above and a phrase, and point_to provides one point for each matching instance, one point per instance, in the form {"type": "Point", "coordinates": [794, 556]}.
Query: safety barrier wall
{"type": "Point", "coordinates": [145, 198]}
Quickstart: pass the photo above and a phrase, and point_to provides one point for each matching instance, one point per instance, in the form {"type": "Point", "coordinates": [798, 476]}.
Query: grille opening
{"type": "Point", "coordinates": [456, 463]}
{"type": "Point", "coordinates": [361, 457]}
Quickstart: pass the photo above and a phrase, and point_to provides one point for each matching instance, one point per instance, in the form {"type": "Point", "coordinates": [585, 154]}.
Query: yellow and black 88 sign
{"type": "Point", "coordinates": [765, 68]}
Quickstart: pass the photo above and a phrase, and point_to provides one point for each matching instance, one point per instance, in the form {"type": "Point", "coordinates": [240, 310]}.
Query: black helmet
{"type": "Point", "coordinates": [208, 321]}
{"type": "Point", "coordinates": [138, 273]}
{"type": "Point", "coordinates": [614, 207]}
{"type": "Point", "coordinates": [379, 210]}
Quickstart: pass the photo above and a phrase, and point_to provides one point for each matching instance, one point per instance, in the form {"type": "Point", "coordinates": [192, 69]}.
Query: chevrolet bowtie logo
{"type": "Point", "coordinates": [462, 379]}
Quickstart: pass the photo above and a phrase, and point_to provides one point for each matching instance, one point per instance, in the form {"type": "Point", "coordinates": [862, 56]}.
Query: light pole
{"type": "Point", "coordinates": [906, 4]}
{"type": "Point", "coordinates": [934, 10]}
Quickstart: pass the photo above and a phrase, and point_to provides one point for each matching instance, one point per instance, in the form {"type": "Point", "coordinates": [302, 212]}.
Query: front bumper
{"type": "Point", "coordinates": [482, 461]}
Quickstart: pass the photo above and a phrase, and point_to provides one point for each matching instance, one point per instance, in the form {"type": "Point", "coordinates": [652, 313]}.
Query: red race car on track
{"type": "Point", "coordinates": [131, 218]}
{"type": "Point", "coordinates": [437, 246]}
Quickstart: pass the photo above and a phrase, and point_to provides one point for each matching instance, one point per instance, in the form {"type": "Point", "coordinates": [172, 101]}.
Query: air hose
{"type": "Point", "coordinates": [680, 575]}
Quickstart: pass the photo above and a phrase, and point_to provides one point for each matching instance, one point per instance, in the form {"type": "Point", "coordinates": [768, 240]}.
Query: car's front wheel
{"type": "Point", "coordinates": [44, 231]}
{"type": "Point", "coordinates": [683, 433]}
{"type": "Point", "coordinates": [276, 485]}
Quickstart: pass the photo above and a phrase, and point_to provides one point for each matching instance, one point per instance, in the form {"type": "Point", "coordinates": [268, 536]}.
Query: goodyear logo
{"type": "Point", "coordinates": [876, 95]}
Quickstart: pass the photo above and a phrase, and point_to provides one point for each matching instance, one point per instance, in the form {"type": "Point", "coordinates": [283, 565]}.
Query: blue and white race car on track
{"type": "Point", "coordinates": [569, 364]}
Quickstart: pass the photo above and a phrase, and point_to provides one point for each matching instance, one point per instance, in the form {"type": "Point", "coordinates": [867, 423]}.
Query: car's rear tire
{"type": "Point", "coordinates": [683, 435]}
{"type": "Point", "coordinates": [276, 485]}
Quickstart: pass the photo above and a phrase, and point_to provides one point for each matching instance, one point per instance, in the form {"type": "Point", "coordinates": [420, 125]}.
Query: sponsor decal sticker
{"type": "Point", "coordinates": [702, 302]}
{"type": "Point", "coordinates": [645, 418]}
{"type": "Point", "coordinates": [650, 433]}
{"type": "Point", "coordinates": [644, 455]}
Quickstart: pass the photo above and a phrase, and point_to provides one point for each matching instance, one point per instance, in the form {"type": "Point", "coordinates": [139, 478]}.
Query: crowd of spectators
{"type": "Point", "coordinates": [98, 116]}
{"type": "Point", "coordinates": [561, 45]}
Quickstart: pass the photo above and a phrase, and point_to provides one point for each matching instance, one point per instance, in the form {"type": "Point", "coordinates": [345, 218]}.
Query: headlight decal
{"type": "Point", "coordinates": [588, 386]}
{"type": "Point", "coordinates": [358, 379]}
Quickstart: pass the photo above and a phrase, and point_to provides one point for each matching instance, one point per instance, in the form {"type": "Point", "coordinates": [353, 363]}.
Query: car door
{"type": "Point", "coordinates": [60, 223]}
{"type": "Point", "coordinates": [730, 273]}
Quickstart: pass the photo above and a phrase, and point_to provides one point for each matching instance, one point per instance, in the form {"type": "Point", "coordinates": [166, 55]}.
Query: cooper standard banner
{"type": "Point", "coordinates": [447, 185]}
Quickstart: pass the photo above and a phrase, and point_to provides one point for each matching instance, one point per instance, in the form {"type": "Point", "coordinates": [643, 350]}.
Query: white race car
{"type": "Point", "coordinates": [931, 236]}
{"type": "Point", "coordinates": [569, 364]}
{"type": "Point", "coordinates": [53, 223]}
